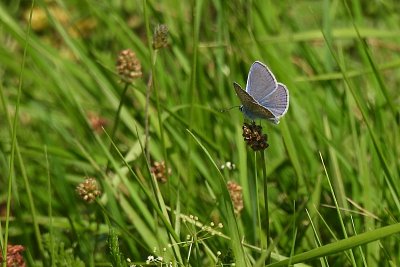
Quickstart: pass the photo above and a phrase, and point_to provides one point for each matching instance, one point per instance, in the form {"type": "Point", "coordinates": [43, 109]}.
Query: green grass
{"type": "Point", "coordinates": [331, 168]}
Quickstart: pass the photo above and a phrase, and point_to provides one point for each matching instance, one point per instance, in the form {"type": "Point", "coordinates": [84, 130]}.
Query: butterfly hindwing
{"type": "Point", "coordinates": [278, 101]}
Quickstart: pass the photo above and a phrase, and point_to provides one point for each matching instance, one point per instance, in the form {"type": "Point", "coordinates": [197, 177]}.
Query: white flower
{"type": "Point", "coordinates": [229, 165]}
{"type": "Point", "coordinates": [150, 259]}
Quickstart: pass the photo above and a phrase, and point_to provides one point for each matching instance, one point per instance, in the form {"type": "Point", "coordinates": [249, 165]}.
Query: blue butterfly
{"type": "Point", "coordinates": [264, 97]}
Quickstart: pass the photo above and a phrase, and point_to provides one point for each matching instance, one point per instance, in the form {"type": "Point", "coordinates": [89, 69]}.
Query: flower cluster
{"type": "Point", "coordinates": [14, 257]}
{"type": "Point", "coordinates": [159, 170]}
{"type": "Point", "coordinates": [159, 257]}
{"type": "Point", "coordinates": [128, 66]}
{"type": "Point", "coordinates": [235, 191]}
{"type": "Point", "coordinates": [152, 259]}
{"type": "Point", "coordinates": [160, 38]}
{"type": "Point", "coordinates": [254, 137]}
{"type": "Point", "coordinates": [97, 122]}
{"type": "Point", "coordinates": [88, 190]}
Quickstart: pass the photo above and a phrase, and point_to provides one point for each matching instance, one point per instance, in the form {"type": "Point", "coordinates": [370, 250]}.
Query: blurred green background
{"type": "Point", "coordinates": [340, 61]}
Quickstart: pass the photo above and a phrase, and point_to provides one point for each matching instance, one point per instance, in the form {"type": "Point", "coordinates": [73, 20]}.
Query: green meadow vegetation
{"type": "Point", "coordinates": [115, 150]}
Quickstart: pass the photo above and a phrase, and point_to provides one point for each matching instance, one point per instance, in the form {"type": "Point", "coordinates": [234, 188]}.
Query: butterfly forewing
{"type": "Point", "coordinates": [260, 81]}
{"type": "Point", "coordinates": [251, 108]}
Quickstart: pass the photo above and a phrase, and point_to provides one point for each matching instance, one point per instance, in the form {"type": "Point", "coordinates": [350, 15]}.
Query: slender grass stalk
{"type": "Point", "coordinates": [257, 203]}
{"type": "Point", "coordinates": [118, 113]}
{"type": "Point", "coordinates": [196, 17]}
{"type": "Point", "coordinates": [146, 110]}
{"type": "Point", "coordinates": [1, 240]}
{"type": "Point", "coordinates": [24, 176]}
{"type": "Point", "coordinates": [360, 248]}
{"type": "Point", "coordinates": [154, 82]}
{"type": "Point", "coordinates": [266, 209]}
{"type": "Point", "coordinates": [50, 207]}
{"type": "Point", "coordinates": [337, 183]}
{"type": "Point", "coordinates": [337, 209]}
{"type": "Point", "coordinates": [15, 150]}
{"type": "Point", "coordinates": [324, 260]}
{"type": "Point", "coordinates": [117, 119]}
{"type": "Point", "coordinates": [293, 244]}
{"type": "Point", "coordinates": [146, 117]}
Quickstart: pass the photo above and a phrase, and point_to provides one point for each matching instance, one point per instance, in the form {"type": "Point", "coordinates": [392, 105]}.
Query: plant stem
{"type": "Point", "coordinates": [264, 167]}
{"type": "Point", "coordinates": [116, 120]}
{"type": "Point", "coordinates": [152, 55]}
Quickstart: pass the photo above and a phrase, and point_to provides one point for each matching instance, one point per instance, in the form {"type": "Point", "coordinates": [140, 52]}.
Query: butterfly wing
{"type": "Point", "coordinates": [250, 107]}
{"type": "Point", "coordinates": [260, 82]}
{"type": "Point", "coordinates": [278, 101]}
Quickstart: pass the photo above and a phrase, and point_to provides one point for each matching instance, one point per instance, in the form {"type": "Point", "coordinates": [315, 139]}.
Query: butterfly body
{"type": "Point", "coordinates": [264, 97]}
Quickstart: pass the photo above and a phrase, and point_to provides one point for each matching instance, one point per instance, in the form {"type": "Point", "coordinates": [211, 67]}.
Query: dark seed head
{"type": "Point", "coordinates": [254, 137]}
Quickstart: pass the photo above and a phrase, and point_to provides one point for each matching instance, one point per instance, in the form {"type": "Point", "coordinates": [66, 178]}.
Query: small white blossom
{"type": "Point", "coordinates": [229, 165]}
{"type": "Point", "coordinates": [150, 259]}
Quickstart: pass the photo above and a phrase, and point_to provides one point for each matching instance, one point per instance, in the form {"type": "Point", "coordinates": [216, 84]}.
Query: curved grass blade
{"type": "Point", "coordinates": [342, 245]}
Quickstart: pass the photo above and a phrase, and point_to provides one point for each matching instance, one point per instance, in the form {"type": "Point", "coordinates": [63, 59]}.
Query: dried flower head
{"type": "Point", "coordinates": [160, 172]}
{"type": "Point", "coordinates": [97, 122]}
{"type": "Point", "coordinates": [128, 66]}
{"type": "Point", "coordinates": [254, 137]}
{"type": "Point", "coordinates": [235, 191]}
{"type": "Point", "coordinates": [14, 257]}
{"type": "Point", "coordinates": [88, 190]}
{"type": "Point", "coordinates": [160, 38]}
